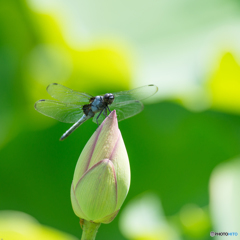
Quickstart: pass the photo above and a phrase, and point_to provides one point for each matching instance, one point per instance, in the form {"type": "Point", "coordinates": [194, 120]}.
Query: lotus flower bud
{"type": "Point", "coordinates": [102, 175]}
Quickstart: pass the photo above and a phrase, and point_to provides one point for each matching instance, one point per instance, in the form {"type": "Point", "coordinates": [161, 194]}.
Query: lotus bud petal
{"type": "Point", "coordinates": [102, 175]}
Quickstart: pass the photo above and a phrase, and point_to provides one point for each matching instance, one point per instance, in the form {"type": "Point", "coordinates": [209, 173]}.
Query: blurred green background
{"type": "Point", "coordinates": [190, 49]}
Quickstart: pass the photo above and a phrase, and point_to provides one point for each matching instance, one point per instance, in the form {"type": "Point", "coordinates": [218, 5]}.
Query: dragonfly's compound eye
{"type": "Point", "coordinates": [111, 98]}
{"type": "Point", "coordinates": [108, 98]}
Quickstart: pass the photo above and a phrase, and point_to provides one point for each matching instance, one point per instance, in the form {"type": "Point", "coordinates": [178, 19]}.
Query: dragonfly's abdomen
{"type": "Point", "coordinates": [75, 126]}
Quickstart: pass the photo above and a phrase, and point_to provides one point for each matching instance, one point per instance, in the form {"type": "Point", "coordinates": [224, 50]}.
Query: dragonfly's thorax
{"type": "Point", "coordinates": [95, 106]}
{"type": "Point", "coordinates": [98, 104]}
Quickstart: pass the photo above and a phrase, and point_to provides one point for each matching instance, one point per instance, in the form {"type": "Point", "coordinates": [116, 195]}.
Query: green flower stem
{"type": "Point", "coordinates": [89, 230]}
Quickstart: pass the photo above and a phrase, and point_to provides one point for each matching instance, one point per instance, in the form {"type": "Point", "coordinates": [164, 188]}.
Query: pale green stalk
{"type": "Point", "coordinates": [89, 230]}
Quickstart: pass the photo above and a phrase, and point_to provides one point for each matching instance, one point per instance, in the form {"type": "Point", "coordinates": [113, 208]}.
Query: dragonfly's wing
{"type": "Point", "coordinates": [63, 112]}
{"type": "Point", "coordinates": [127, 109]}
{"type": "Point", "coordinates": [135, 94]}
{"type": "Point", "coordinates": [124, 110]}
{"type": "Point", "coordinates": [67, 95]}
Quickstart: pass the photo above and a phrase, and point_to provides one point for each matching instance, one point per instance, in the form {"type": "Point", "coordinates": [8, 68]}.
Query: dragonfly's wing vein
{"type": "Point", "coordinates": [63, 112]}
{"type": "Point", "coordinates": [140, 93]}
{"type": "Point", "coordinates": [67, 95]}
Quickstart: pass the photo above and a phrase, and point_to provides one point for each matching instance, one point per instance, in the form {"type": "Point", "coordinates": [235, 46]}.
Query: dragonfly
{"type": "Point", "coordinates": [77, 107]}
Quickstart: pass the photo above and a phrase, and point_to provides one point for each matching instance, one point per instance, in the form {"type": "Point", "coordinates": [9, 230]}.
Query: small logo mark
{"type": "Point", "coordinates": [212, 234]}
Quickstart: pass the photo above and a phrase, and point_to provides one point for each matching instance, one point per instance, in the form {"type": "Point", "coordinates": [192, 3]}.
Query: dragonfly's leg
{"type": "Point", "coordinates": [98, 116]}
{"type": "Point", "coordinates": [109, 109]}
{"type": "Point", "coordinates": [105, 112]}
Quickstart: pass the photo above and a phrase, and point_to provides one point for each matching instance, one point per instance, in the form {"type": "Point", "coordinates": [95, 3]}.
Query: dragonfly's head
{"type": "Point", "coordinates": [108, 98]}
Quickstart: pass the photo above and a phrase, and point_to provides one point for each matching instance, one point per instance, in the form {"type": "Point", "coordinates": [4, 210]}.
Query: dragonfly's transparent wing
{"type": "Point", "coordinates": [63, 112]}
{"type": "Point", "coordinates": [67, 95]}
{"type": "Point", "coordinates": [127, 109]}
{"type": "Point", "coordinates": [124, 110]}
{"type": "Point", "coordinates": [135, 94]}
